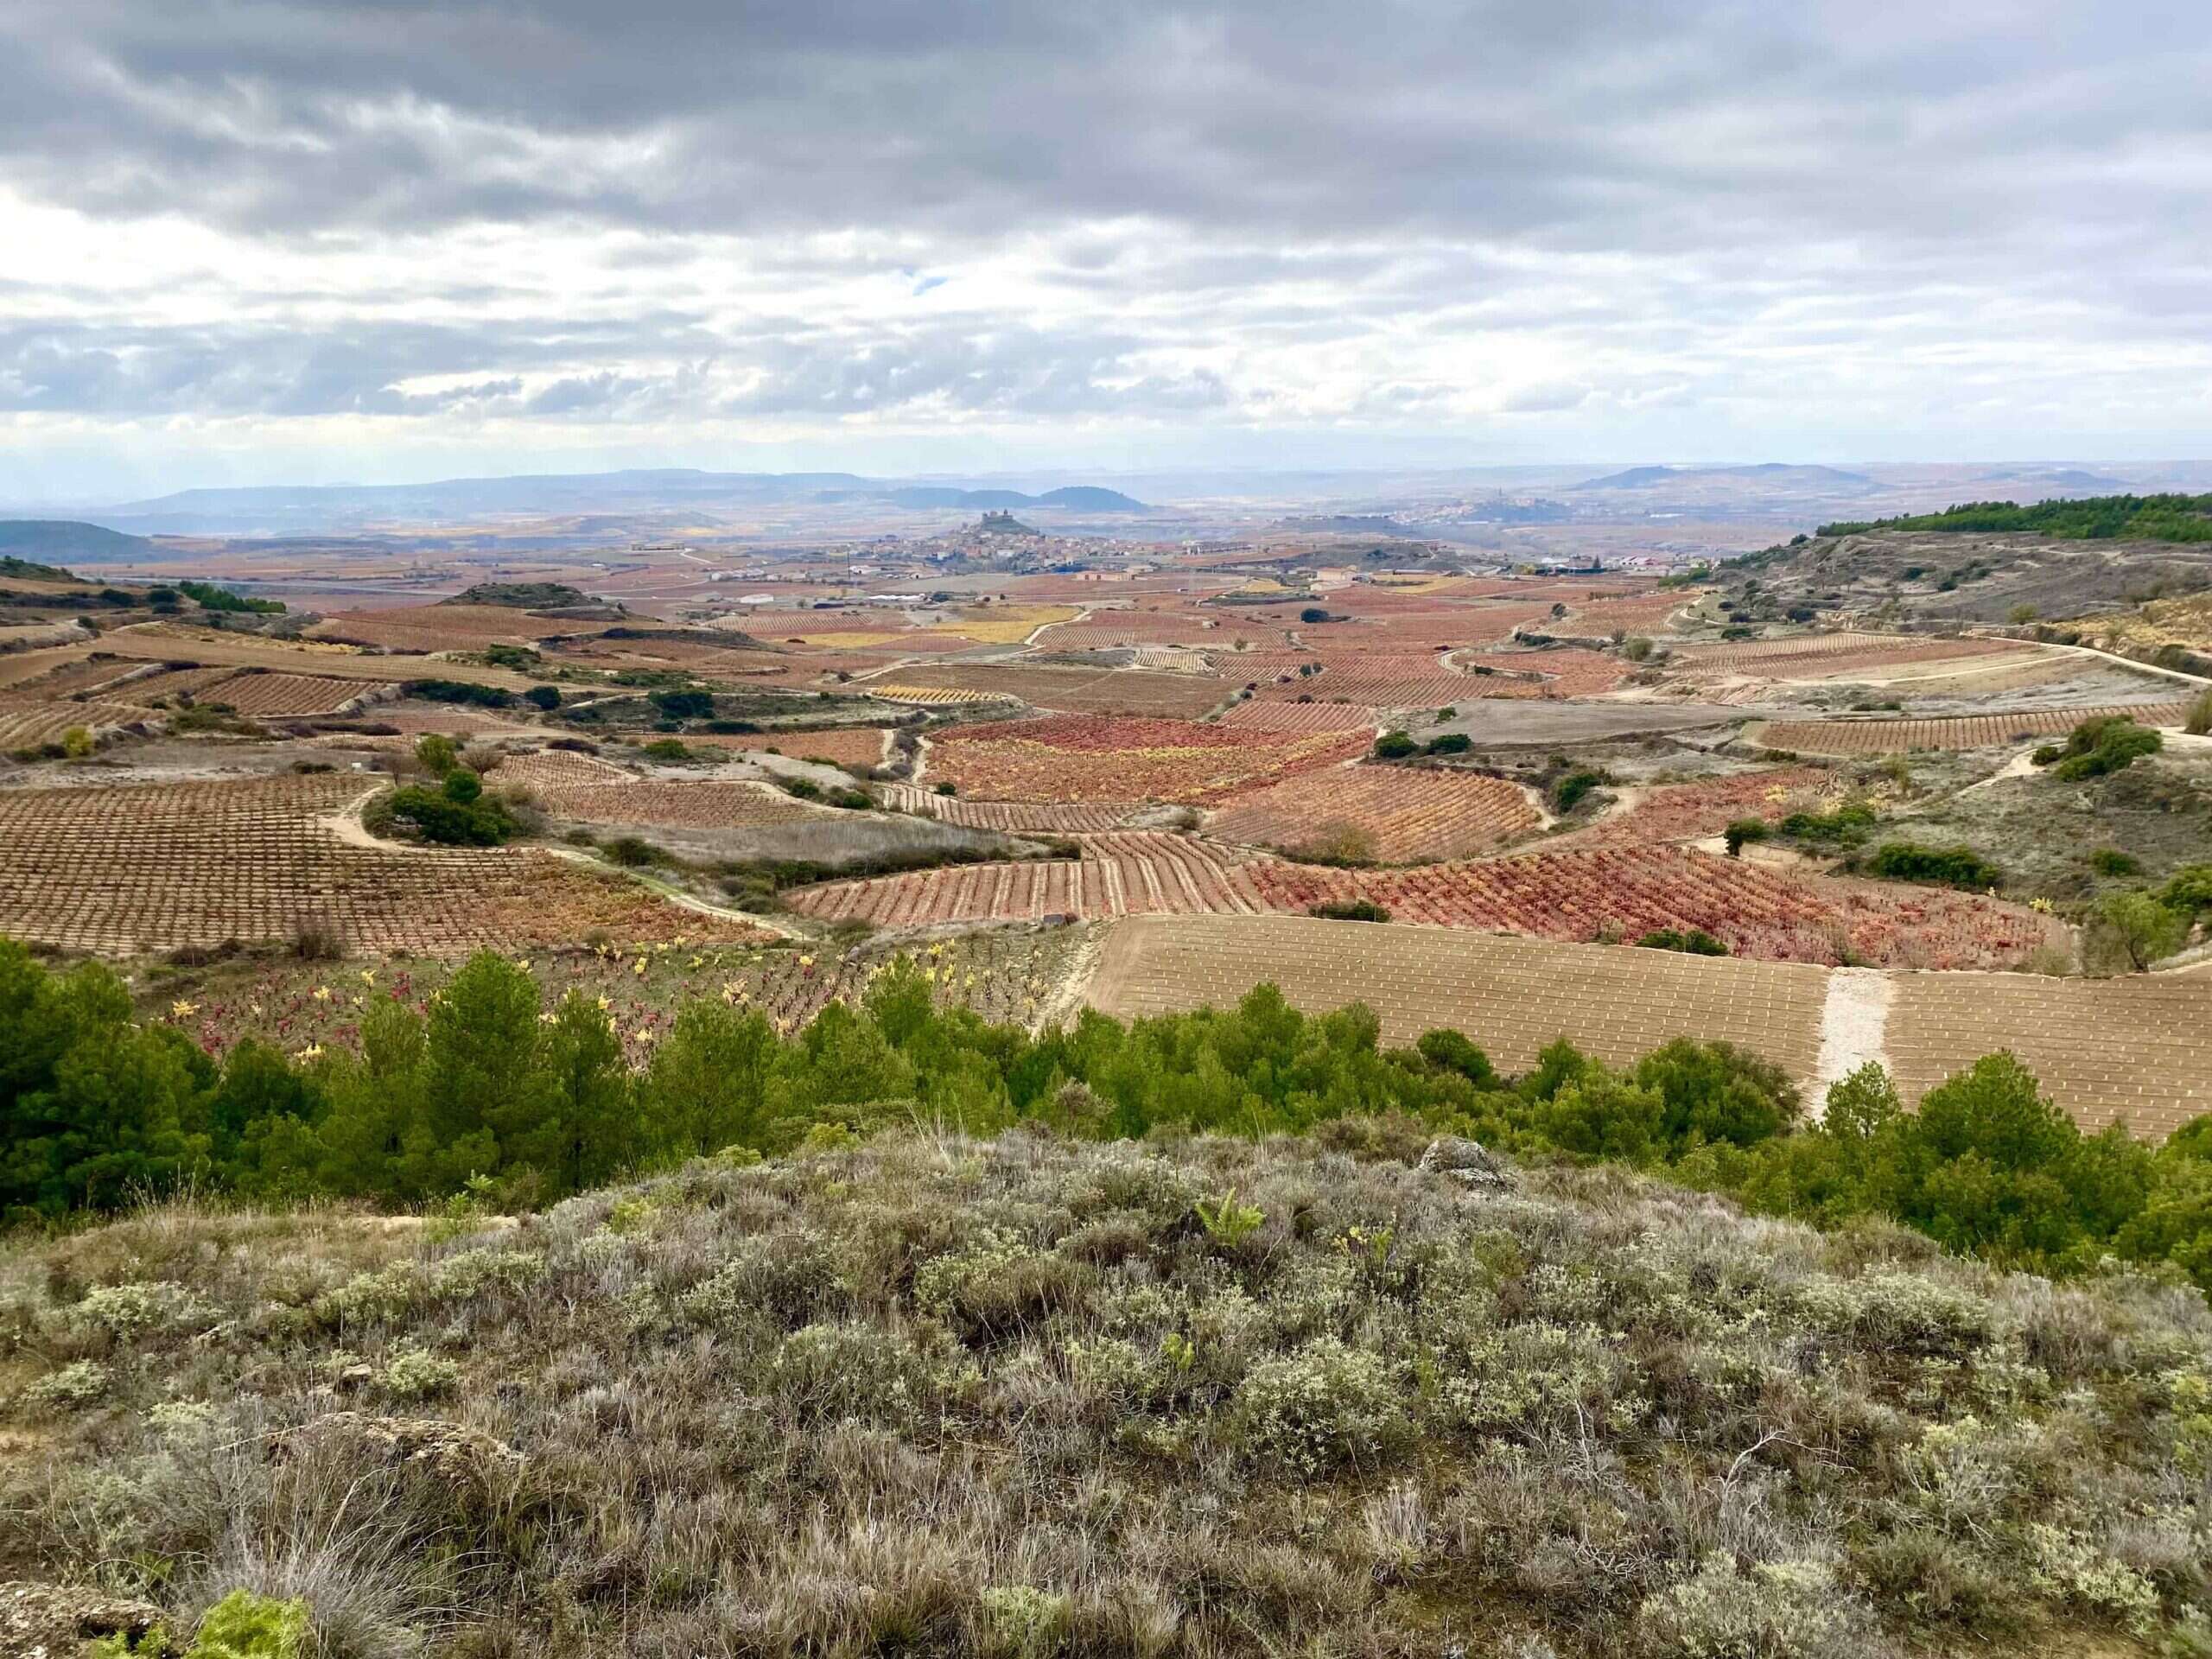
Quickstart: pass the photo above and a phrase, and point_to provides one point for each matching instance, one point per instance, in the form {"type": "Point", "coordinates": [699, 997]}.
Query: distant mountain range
{"type": "Point", "coordinates": [1769, 472]}
{"type": "Point", "coordinates": [309, 509]}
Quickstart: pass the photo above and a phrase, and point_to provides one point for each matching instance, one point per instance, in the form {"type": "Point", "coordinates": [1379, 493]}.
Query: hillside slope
{"type": "Point", "coordinates": [1028, 1397]}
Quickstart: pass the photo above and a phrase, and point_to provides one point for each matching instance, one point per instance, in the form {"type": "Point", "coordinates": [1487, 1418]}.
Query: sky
{"type": "Point", "coordinates": [260, 241]}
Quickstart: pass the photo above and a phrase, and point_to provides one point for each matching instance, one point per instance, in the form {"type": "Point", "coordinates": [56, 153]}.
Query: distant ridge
{"type": "Point", "coordinates": [38, 539]}
{"type": "Point", "coordinates": [307, 509]}
{"type": "Point", "coordinates": [1644, 478]}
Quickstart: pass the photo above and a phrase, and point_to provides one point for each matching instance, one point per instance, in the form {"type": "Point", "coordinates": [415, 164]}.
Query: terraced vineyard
{"type": "Point", "coordinates": [1402, 814]}
{"type": "Point", "coordinates": [1077, 759]}
{"type": "Point", "coordinates": [1385, 683]}
{"type": "Point", "coordinates": [152, 867]}
{"type": "Point", "coordinates": [1955, 732]}
{"type": "Point", "coordinates": [1568, 671]}
{"type": "Point", "coordinates": [926, 695]}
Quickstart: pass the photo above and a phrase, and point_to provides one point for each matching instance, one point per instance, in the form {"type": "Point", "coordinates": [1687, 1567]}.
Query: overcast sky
{"type": "Point", "coordinates": [311, 240]}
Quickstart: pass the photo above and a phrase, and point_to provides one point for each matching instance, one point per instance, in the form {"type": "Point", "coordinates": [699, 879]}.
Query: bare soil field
{"type": "Point", "coordinates": [279, 696]}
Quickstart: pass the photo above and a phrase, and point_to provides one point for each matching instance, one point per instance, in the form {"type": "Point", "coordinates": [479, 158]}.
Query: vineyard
{"type": "Point", "coordinates": [1577, 895]}
{"type": "Point", "coordinates": [1251, 715]}
{"type": "Point", "coordinates": [1604, 893]}
{"type": "Point", "coordinates": [1400, 815]}
{"type": "Point", "coordinates": [1119, 874]}
{"type": "Point", "coordinates": [1007, 817]}
{"type": "Point", "coordinates": [842, 746]}
{"type": "Point", "coordinates": [677, 805]}
{"type": "Point", "coordinates": [1835, 653]}
{"type": "Point", "coordinates": [136, 868]}
{"type": "Point", "coordinates": [1083, 690]}
{"type": "Point", "coordinates": [1077, 759]}
{"type": "Point", "coordinates": [1956, 732]}
{"type": "Point", "coordinates": [26, 722]}
{"type": "Point", "coordinates": [1693, 811]}
{"type": "Point", "coordinates": [278, 695]}
{"type": "Point", "coordinates": [1512, 997]}
{"type": "Point", "coordinates": [927, 696]}
{"type": "Point", "coordinates": [1386, 683]}
{"type": "Point", "coordinates": [443, 627]}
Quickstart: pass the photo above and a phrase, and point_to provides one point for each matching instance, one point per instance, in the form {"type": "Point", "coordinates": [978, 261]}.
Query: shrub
{"type": "Point", "coordinates": [448, 822]}
{"type": "Point", "coordinates": [2197, 720]}
{"type": "Point", "coordinates": [77, 743]}
{"type": "Point", "coordinates": [2108, 743]}
{"type": "Point", "coordinates": [1779, 1609]}
{"type": "Point", "coordinates": [1952, 866]}
{"type": "Point", "coordinates": [1351, 910]}
{"type": "Point", "coordinates": [2110, 860]}
{"type": "Point", "coordinates": [1744, 831]}
{"type": "Point", "coordinates": [413, 1374]}
{"type": "Point", "coordinates": [436, 753]}
{"type": "Point", "coordinates": [78, 1383]}
{"type": "Point", "coordinates": [1573, 789]}
{"type": "Point", "coordinates": [682, 705]}
{"type": "Point", "coordinates": [1450, 743]}
{"type": "Point", "coordinates": [1325, 1408]}
{"type": "Point", "coordinates": [1693, 941]}
{"type": "Point", "coordinates": [1394, 746]}
{"type": "Point", "coordinates": [668, 750]}
{"type": "Point", "coordinates": [543, 696]}
{"type": "Point", "coordinates": [462, 691]}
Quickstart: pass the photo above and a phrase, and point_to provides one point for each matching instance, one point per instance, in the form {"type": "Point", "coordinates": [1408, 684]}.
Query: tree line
{"type": "Point", "coordinates": [485, 1085]}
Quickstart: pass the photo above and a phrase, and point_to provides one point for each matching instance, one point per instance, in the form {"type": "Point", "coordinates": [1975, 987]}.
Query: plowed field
{"type": "Point", "coordinates": [1008, 817]}
{"type": "Point", "coordinates": [1118, 874]}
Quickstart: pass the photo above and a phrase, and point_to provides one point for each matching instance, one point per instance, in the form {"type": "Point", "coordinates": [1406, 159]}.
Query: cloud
{"type": "Point", "coordinates": [829, 215]}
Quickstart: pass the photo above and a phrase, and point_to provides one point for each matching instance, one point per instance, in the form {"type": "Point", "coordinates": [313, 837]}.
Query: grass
{"type": "Point", "coordinates": [926, 1395]}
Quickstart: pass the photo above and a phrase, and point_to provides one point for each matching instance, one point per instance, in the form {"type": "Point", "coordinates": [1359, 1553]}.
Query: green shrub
{"type": "Point", "coordinates": [543, 696]}
{"type": "Point", "coordinates": [2108, 743]}
{"type": "Point", "coordinates": [1450, 743]}
{"type": "Point", "coordinates": [1744, 831]}
{"type": "Point", "coordinates": [1351, 910]}
{"type": "Point", "coordinates": [1394, 746]}
{"type": "Point", "coordinates": [2110, 860]}
{"type": "Point", "coordinates": [1573, 789]}
{"type": "Point", "coordinates": [1690, 941]}
{"type": "Point", "coordinates": [2197, 720]}
{"type": "Point", "coordinates": [440, 819]}
{"type": "Point", "coordinates": [1952, 866]}
{"type": "Point", "coordinates": [1323, 1408]}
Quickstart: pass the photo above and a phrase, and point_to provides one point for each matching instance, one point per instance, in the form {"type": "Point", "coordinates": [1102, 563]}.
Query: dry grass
{"type": "Point", "coordinates": [1029, 1397]}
